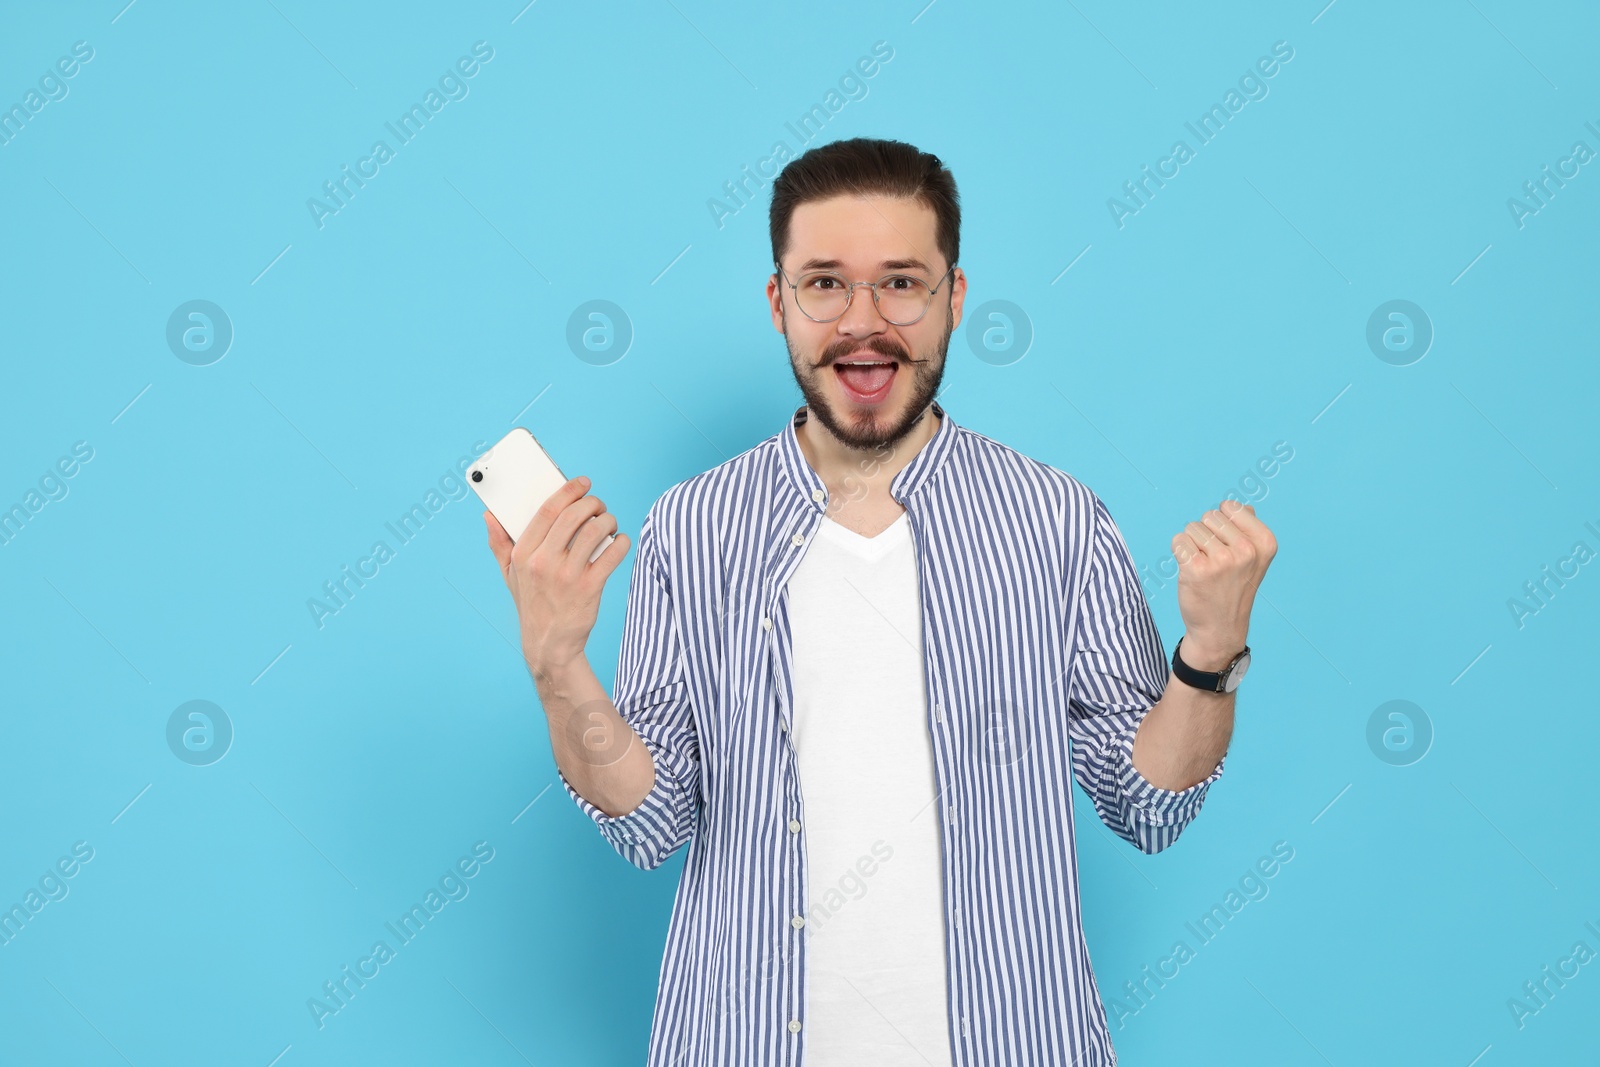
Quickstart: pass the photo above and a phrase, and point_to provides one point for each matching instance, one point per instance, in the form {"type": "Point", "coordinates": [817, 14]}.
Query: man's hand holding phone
{"type": "Point", "coordinates": [555, 587]}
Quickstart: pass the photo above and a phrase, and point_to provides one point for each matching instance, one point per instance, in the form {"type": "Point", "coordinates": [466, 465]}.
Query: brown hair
{"type": "Point", "coordinates": [865, 165]}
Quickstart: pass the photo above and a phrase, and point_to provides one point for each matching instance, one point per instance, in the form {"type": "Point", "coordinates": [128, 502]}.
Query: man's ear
{"type": "Point", "coordinates": [958, 298]}
{"type": "Point", "coordinates": [775, 303]}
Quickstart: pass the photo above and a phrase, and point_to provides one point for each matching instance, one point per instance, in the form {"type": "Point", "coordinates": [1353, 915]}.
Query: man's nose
{"type": "Point", "coordinates": [862, 317]}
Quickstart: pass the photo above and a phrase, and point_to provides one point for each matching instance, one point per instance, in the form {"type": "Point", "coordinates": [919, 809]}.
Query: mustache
{"type": "Point", "coordinates": [888, 350]}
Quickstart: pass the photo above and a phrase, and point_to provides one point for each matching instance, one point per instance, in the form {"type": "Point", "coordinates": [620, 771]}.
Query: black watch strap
{"type": "Point", "coordinates": [1210, 681]}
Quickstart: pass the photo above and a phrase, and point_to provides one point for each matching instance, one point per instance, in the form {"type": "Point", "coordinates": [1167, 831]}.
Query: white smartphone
{"type": "Point", "coordinates": [514, 479]}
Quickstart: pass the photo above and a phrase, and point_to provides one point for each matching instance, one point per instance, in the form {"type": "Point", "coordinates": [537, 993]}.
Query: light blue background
{"type": "Point", "coordinates": [1227, 315]}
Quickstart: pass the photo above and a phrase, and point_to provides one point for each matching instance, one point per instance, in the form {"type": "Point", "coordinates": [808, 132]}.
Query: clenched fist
{"type": "Point", "coordinates": [555, 587]}
{"type": "Point", "coordinates": [1221, 561]}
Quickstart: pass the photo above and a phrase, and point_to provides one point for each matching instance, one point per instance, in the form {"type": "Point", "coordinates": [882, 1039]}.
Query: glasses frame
{"type": "Point", "coordinates": [851, 293]}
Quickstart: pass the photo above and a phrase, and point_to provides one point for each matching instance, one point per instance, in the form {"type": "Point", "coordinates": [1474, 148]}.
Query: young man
{"type": "Point", "coordinates": [863, 663]}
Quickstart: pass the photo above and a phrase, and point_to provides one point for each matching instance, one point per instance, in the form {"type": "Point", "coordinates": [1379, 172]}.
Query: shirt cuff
{"type": "Point", "coordinates": [652, 821]}
{"type": "Point", "coordinates": [1153, 804]}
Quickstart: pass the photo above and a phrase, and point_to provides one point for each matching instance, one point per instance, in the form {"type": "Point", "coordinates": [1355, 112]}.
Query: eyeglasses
{"type": "Point", "coordinates": [825, 295]}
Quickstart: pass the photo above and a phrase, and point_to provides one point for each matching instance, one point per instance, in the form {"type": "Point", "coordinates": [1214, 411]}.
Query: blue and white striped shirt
{"type": "Point", "coordinates": [1042, 658]}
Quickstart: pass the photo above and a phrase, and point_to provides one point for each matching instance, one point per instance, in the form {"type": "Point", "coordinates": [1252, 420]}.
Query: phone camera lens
{"type": "Point", "coordinates": [477, 476]}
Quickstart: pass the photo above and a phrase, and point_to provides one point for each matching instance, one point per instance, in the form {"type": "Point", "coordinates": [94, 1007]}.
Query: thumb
{"type": "Point", "coordinates": [499, 544]}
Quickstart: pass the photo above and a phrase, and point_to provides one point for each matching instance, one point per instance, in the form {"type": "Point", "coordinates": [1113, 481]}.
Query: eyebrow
{"type": "Point", "coordinates": [888, 264]}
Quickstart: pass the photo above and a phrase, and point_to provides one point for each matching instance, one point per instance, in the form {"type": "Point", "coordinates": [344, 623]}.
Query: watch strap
{"type": "Point", "coordinates": [1210, 681]}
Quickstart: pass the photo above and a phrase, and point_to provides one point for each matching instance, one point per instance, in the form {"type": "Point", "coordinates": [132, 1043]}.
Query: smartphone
{"type": "Point", "coordinates": [514, 479]}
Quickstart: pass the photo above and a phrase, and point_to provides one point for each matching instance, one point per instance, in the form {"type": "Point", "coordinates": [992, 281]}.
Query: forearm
{"type": "Point", "coordinates": [1181, 739]}
{"type": "Point", "coordinates": [602, 757]}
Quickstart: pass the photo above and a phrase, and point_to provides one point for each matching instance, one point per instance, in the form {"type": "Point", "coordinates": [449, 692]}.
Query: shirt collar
{"type": "Point", "coordinates": [923, 466]}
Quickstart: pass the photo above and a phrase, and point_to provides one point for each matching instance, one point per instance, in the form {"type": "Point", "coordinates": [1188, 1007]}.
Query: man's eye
{"type": "Point", "coordinates": [898, 282]}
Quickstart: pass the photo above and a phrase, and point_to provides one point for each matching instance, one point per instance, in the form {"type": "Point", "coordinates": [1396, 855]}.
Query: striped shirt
{"type": "Point", "coordinates": [1041, 659]}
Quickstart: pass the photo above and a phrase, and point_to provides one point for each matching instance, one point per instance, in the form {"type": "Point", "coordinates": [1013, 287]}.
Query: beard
{"type": "Point", "coordinates": [875, 431]}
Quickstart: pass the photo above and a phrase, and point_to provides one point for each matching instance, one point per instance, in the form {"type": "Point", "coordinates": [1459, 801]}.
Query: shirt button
{"type": "Point", "coordinates": [783, 725]}
{"type": "Point", "coordinates": [766, 623]}
{"type": "Point", "coordinates": [797, 540]}
{"type": "Point", "coordinates": [798, 921]}
{"type": "Point", "coordinates": [817, 495]}
{"type": "Point", "coordinates": [938, 713]}
{"type": "Point", "coordinates": [794, 1026]}
{"type": "Point", "coordinates": [794, 826]}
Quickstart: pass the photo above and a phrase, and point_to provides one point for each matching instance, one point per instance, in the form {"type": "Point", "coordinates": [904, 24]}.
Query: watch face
{"type": "Point", "coordinates": [1236, 674]}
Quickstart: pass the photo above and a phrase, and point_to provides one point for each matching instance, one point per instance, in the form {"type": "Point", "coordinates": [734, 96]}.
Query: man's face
{"type": "Point", "coordinates": [864, 238]}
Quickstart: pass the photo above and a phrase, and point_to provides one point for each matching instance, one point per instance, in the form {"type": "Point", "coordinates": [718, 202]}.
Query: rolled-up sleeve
{"type": "Point", "coordinates": [651, 694]}
{"type": "Point", "coordinates": [1119, 672]}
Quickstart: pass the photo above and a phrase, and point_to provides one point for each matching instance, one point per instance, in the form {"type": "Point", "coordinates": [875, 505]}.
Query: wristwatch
{"type": "Point", "coordinates": [1223, 681]}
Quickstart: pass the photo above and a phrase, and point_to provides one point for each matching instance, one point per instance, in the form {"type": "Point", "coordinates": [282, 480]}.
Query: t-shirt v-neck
{"type": "Point", "coordinates": [869, 548]}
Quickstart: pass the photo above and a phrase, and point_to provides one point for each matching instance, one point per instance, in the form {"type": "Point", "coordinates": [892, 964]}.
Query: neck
{"type": "Point", "coordinates": [845, 470]}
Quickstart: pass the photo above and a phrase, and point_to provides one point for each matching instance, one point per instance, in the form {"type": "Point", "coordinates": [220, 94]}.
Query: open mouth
{"type": "Point", "coordinates": [867, 382]}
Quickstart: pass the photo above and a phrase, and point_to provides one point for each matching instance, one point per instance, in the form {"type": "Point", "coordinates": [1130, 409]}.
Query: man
{"type": "Point", "coordinates": [862, 664]}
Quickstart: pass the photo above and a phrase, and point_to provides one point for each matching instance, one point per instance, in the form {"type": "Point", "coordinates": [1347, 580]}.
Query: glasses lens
{"type": "Point", "coordinates": [902, 299]}
{"type": "Point", "coordinates": [822, 295]}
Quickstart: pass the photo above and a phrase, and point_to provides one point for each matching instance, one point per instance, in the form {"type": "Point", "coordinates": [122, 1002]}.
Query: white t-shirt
{"type": "Point", "coordinates": [875, 936]}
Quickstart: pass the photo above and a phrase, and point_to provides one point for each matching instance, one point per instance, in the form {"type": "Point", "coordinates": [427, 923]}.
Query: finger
{"type": "Point", "coordinates": [1184, 548]}
{"type": "Point", "coordinates": [1199, 535]}
{"type": "Point", "coordinates": [1219, 524]}
{"type": "Point", "coordinates": [1244, 516]}
{"type": "Point", "coordinates": [574, 515]}
{"type": "Point", "coordinates": [588, 538]}
{"type": "Point", "coordinates": [607, 561]}
{"type": "Point", "coordinates": [1247, 520]}
{"type": "Point", "coordinates": [545, 517]}
{"type": "Point", "coordinates": [1204, 539]}
{"type": "Point", "coordinates": [499, 542]}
